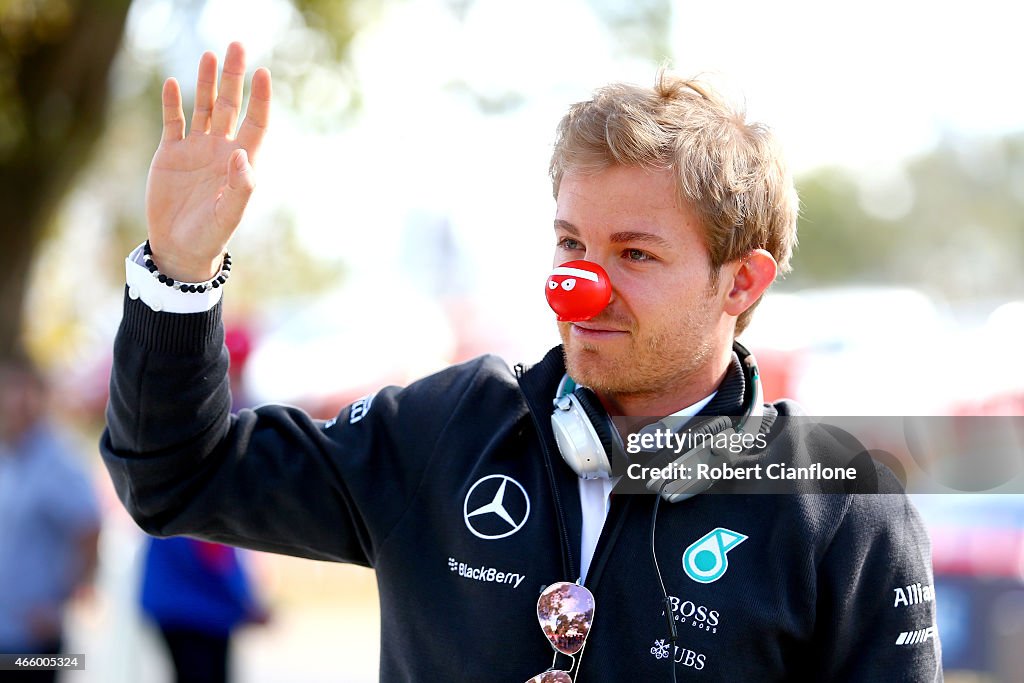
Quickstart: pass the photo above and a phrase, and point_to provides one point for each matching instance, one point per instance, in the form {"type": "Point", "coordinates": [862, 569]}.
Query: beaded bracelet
{"type": "Point", "coordinates": [188, 287]}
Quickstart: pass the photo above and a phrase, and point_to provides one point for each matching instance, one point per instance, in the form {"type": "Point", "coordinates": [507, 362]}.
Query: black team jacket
{"type": "Point", "coordinates": [815, 587]}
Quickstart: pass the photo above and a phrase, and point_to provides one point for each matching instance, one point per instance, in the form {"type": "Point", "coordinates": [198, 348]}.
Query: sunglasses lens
{"type": "Point", "coordinates": [551, 677]}
{"type": "Point", "coordinates": [566, 611]}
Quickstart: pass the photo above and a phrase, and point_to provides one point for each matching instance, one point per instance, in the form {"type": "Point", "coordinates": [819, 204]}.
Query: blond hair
{"type": "Point", "coordinates": [732, 172]}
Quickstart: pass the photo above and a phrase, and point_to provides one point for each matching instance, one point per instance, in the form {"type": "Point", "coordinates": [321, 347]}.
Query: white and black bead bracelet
{"type": "Point", "coordinates": [188, 287]}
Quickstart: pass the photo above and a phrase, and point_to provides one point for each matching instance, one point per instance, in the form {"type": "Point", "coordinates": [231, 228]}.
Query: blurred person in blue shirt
{"type": "Point", "coordinates": [49, 518]}
{"type": "Point", "coordinates": [198, 593]}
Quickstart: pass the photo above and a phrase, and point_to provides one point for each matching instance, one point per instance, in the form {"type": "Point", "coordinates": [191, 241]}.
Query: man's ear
{"type": "Point", "coordinates": [751, 276]}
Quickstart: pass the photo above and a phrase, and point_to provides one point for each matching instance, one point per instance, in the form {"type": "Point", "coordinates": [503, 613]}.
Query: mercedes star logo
{"type": "Point", "coordinates": [492, 507]}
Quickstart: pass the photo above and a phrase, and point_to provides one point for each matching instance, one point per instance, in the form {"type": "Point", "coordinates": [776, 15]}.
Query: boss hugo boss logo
{"type": "Point", "coordinates": [705, 560]}
{"type": "Point", "coordinates": [690, 613]}
{"type": "Point", "coordinates": [496, 506]}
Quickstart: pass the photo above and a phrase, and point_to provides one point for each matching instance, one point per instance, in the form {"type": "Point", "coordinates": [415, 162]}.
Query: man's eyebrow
{"type": "Point", "coordinates": [634, 236]}
{"type": "Point", "coordinates": [617, 237]}
{"type": "Point", "coordinates": [566, 226]}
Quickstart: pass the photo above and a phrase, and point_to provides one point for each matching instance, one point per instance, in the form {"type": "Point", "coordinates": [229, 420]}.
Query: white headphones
{"type": "Point", "coordinates": [591, 445]}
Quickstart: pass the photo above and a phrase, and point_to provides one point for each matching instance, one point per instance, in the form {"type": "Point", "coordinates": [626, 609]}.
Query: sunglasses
{"type": "Point", "coordinates": [565, 612]}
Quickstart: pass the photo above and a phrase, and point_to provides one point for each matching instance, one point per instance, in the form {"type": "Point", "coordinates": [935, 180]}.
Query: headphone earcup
{"type": "Point", "coordinates": [584, 434]}
{"type": "Point", "coordinates": [599, 420]}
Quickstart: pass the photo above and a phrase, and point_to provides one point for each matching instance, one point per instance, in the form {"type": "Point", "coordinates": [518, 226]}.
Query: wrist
{"type": "Point", "coordinates": [184, 270]}
{"type": "Point", "coordinates": [220, 275]}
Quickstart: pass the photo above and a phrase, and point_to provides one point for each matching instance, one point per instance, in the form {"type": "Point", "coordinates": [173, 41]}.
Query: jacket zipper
{"type": "Point", "coordinates": [568, 566]}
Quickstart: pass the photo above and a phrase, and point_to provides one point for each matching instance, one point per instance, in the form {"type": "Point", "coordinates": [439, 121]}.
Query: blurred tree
{"type": "Point", "coordinates": [55, 57]}
{"type": "Point", "coordinates": [838, 239]}
{"type": "Point", "coordinates": [55, 66]}
{"type": "Point", "coordinates": [949, 220]}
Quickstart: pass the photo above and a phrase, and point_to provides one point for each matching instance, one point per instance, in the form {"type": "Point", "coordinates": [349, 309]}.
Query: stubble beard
{"type": "Point", "coordinates": [650, 366]}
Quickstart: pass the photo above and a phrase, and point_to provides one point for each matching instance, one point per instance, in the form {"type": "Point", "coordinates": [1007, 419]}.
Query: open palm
{"type": "Point", "coordinates": [199, 184]}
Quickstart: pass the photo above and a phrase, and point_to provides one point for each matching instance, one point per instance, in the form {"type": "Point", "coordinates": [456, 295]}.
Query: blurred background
{"type": "Point", "coordinates": [404, 211]}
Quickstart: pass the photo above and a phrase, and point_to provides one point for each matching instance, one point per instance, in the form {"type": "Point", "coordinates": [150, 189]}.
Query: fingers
{"type": "Point", "coordinates": [216, 110]}
{"type": "Point", "coordinates": [174, 117]}
{"type": "Point", "coordinates": [229, 98]}
{"type": "Point", "coordinates": [206, 91]}
{"type": "Point", "coordinates": [241, 183]}
{"type": "Point", "coordinates": [257, 117]}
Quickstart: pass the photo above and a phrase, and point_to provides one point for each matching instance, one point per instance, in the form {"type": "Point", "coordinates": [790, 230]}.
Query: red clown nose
{"type": "Point", "coordinates": [578, 290]}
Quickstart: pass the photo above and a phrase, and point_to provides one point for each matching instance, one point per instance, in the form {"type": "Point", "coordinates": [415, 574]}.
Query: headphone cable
{"type": "Point", "coordinates": [673, 635]}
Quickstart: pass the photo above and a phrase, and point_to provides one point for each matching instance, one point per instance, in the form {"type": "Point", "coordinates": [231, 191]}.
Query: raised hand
{"type": "Point", "coordinates": [199, 184]}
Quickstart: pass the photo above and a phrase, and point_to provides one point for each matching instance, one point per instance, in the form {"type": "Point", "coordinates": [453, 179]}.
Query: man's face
{"type": "Point", "coordinates": [664, 317]}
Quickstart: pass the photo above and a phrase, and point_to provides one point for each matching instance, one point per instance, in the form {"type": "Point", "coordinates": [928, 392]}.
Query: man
{"type": "Point", "coordinates": [49, 520]}
{"type": "Point", "coordinates": [453, 490]}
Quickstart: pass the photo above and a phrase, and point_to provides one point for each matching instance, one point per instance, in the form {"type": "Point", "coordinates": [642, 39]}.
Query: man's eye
{"type": "Point", "coordinates": [569, 243]}
{"type": "Point", "coordinates": [637, 255]}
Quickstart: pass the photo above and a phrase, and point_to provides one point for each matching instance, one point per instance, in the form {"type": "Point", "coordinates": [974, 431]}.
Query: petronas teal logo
{"type": "Point", "coordinates": [706, 559]}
